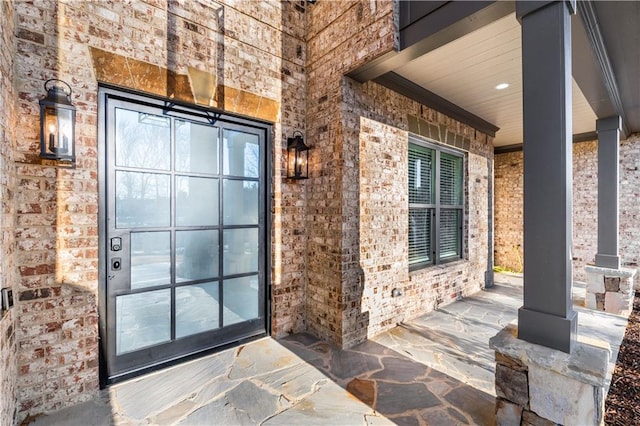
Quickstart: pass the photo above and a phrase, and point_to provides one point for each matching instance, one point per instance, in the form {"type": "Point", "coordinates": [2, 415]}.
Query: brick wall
{"type": "Point", "coordinates": [244, 57]}
{"type": "Point", "coordinates": [339, 240]}
{"type": "Point", "coordinates": [335, 32]}
{"type": "Point", "coordinates": [7, 188]}
{"type": "Point", "coordinates": [629, 201]}
{"type": "Point", "coordinates": [384, 230]}
{"type": "Point", "coordinates": [508, 206]}
{"type": "Point", "coordinates": [436, 286]}
{"type": "Point", "coordinates": [509, 181]}
{"type": "Point", "coordinates": [350, 275]}
{"type": "Point", "coordinates": [585, 206]}
{"type": "Point", "coordinates": [384, 220]}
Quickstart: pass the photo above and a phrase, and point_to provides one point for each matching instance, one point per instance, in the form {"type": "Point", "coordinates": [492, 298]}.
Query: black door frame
{"type": "Point", "coordinates": [183, 110]}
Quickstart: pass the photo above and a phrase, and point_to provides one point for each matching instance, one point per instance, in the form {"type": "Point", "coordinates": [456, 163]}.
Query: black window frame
{"type": "Point", "coordinates": [436, 207]}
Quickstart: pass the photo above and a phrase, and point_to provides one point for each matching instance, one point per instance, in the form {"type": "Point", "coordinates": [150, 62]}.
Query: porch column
{"type": "Point", "coordinates": [547, 317]}
{"type": "Point", "coordinates": [608, 152]}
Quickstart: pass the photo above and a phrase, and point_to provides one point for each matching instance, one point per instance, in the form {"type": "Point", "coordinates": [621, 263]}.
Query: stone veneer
{"type": "Point", "coordinates": [8, 118]}
{"type": "Point", "coordinates": [508, 206]}
{"type": "Point", "coordinates": [246, 57]}
{"type": "Point", "coordinates": [610, 290]}
{"type": "Point", "coordinates": [536, 385]}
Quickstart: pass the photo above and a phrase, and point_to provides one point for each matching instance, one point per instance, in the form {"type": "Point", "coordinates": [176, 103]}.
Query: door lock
{"type": "Point", "coordinates": [116, 264]}
{"type": "Point", "coordinates": [116, 244]}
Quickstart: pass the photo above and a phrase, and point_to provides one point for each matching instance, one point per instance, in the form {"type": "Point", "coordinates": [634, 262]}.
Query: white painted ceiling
{"type": "Point", "coordinates": [467, 70]}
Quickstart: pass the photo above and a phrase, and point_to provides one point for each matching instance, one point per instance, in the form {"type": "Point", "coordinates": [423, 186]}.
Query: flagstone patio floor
{"type": "Point", "coordinates": [437, 369]}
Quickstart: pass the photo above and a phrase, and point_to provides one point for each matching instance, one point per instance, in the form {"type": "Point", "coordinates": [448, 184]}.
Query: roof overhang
{"type": "Point", "coordinates": [601, 74]}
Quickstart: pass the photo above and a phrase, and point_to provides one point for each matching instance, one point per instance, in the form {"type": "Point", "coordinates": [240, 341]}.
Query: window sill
{"type": "Point", "coordinates": [438, 267]}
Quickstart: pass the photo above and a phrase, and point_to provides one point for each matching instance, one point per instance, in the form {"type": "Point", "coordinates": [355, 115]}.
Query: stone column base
{"type": "Point", "coordinates": [610, 290]}
{"type": "Point", "coordinates": [537, 385]}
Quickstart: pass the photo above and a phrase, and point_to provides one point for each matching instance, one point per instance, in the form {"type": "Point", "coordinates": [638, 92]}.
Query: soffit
{"type": "Point", "coordinates": [619, 23]}
{"type": "Point", "coordinates": [467, 70]}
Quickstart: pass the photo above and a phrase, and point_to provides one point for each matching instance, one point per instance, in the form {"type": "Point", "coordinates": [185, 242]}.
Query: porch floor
{"type": "Point", "coordinates": [436, 369]}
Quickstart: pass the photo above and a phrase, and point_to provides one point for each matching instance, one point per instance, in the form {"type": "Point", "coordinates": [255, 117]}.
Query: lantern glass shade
{"type": "Point", "coordinates": [297, 158]}
{"type": "Point", "coordinates": [57, 126]}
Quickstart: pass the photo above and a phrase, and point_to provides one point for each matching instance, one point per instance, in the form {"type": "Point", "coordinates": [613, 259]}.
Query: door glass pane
{"type": "Point", "coordinates": [197, 309]}
{"type": "Point", "coordinates": [240, 251]}
{"type": "Point", "coordinates": [240, 203]}
{"type": "Point", "coordinates": [142, 200]}
{"type": "Point", "coordinates": [241, 154]}
{"type": "Point", "coordinates": [142, 140]}
{"type": "Point", "coordinates": [150, 259]}
{"type": "Point", "coordinates": [450, 233]}
{"type": "Point", "coordinates": [196, 148]}
{"type": "Point", "coordinates": [196, 255]}
{"type": "Point", "coordinates": [196, 201]}
{"type": "Point", "coordinates": [240, 299]}
{"type": "Point", "coordinates": [142, 319]}
{"type": "Point", "coordinates": [419, 236]}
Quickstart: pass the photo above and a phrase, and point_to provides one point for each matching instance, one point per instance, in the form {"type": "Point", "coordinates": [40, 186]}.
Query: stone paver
{"type": "Point", "coordinates": [134, 399]}
{"type": "Point", "coordinates": [396, 385]}
{"type": "Point", "coordinates": [436, 369]}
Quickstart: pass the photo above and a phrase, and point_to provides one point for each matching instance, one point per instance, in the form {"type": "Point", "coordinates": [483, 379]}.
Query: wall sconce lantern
{"type": "Point", "coordinates": [57, 122]}
{"type": "Point", "coordinates": [297, 157]}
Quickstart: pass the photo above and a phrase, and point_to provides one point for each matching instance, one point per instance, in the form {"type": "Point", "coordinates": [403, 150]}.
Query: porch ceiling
{"type": "Point", "coordinates": [467, 70]}
{"type": "Point", "coordinates": [454, 53]}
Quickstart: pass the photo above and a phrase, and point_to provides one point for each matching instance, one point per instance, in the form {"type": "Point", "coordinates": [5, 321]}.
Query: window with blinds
{"type": "Point", "coordinates": [450, 179]}
{"type": "Point", "coordinates": [450, 234]}
{"type": "Point", "coordinates": [436, 202]}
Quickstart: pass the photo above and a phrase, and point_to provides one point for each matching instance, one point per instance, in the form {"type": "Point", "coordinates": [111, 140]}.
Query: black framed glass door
{"type": "Point", "coordinates": [184, 233]}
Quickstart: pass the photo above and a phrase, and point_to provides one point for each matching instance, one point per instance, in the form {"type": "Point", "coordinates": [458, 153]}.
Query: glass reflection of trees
{"type": "Point", "coordinates": [142, 199]}
{"type": "Point", "coordinates": [142, 141]}
{"type": "Point", "coordinates": [196, 148]}
{"type": "Point", "coordinates": [241, 201]}
{"type": "Point", "coordinates": [241, 154]}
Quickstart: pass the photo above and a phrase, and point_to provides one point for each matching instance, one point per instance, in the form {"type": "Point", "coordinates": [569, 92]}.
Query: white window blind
{"type": "Point", "coordinates": [420, 236]}
{"type": "Point", "coordinates": [421, 177]}
{"type": "Point", "coordinates": [449, 234]}
{"type": "Point", "coordinates": [450, 179]}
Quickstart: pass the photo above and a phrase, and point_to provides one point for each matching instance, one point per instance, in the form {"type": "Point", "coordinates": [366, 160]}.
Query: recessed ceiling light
{"type": "Point", "coordinates": [502, 86]}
